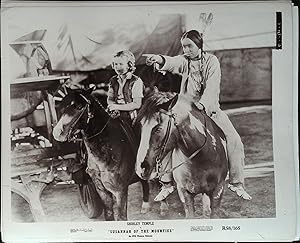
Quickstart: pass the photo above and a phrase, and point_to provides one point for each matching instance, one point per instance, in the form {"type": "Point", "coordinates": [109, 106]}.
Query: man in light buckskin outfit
{"type": "Point", "coordinates": [201, 76]}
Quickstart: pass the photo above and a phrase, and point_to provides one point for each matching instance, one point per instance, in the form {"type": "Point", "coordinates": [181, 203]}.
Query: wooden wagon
{"type": "Point", "coordinates": [36, 158]}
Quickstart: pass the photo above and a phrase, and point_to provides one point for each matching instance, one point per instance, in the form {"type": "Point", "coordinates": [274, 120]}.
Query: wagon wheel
{"type": "Point", "coordinates": [90, 201]}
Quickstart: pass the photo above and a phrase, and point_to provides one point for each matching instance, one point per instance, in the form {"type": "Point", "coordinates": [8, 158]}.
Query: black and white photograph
{"type": "Point", "coordinates": [173, 121]}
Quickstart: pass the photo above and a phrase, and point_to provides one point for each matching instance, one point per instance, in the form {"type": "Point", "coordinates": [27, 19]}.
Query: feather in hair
{"type": "Point", "coordinates": [204, 22]}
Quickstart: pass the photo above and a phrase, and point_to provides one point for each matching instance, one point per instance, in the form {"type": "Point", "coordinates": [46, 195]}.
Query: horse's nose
{"type": "Point", "coordinates": [57, 134]}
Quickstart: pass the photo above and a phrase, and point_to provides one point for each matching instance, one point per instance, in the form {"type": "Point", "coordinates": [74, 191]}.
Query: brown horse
{"type": "Point", "coordinates": [111, 150]}
{"type": "Point", "coordinates": [173, 124]}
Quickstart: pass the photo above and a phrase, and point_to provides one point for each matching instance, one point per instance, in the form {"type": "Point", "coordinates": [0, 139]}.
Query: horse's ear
{"type": "Point", "coordinates": [155, 89]}
{"type": "Point", "coordinates": [149, 91]}
{"type": "Point", "coordinates": [92, 87]}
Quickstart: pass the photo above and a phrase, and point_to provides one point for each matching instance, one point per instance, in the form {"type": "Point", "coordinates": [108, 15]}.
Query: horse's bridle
{"type": "Point", "coordinates": [70, 136]}
{"type": "Point", "coordinates": [158, 159]}
{"type": "Point", "coordinates": [90, 115]}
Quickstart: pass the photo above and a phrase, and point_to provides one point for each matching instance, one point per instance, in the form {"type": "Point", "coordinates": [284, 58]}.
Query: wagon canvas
{"type": "Point", "coordinates": [71, 163]}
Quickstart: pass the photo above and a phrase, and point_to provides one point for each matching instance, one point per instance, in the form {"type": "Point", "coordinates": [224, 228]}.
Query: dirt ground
{"type": "Point", "coordinates": [61, 202]}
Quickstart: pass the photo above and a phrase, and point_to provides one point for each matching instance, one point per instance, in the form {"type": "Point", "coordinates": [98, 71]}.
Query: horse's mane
{"type": "Point", "coordinates": [153, 102]}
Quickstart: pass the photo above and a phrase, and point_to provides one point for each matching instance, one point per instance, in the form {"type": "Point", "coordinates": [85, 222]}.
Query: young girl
{"type": "Point", "coordinates": [125, 91]}
{"type": "Point", "coordinates": [201, 76]}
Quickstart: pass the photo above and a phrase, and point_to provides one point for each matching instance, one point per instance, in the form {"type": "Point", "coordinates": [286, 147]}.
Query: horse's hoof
{"type": "Point", "coordinates": [145, 207]}
{"type": "Point", "coordinates": [214, 216]}
{"type": "Point", "coordinates": [163, 213]}
{"type": "Point", "coordinates": [206, 214]}
{"type": "Point", "coordinates": [145, 210]}
{"type": "Point", "coordinates": [164, 208]}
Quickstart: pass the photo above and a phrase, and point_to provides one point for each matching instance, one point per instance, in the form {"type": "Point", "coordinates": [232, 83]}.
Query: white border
{"type": "Point", "coordinates": [296, 107]}
{"type": "Point", "coordinates": [281, 228]}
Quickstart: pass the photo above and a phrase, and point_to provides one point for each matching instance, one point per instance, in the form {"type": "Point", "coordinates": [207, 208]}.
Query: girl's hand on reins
{"type": "Point", "coordinates": [114, 114]}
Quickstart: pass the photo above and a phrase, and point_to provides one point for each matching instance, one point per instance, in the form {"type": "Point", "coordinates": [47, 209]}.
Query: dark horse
{"type": "Point", "coordinates": [173, 124]}
{"type": "Point", "coordinates": [111, 150]}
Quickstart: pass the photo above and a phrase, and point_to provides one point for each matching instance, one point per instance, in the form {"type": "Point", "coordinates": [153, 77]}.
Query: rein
{"type": "Point", "coordinates": [158, 159]}
{"type": "Point", "coordinates": [108, 120]}
{"type": "Point", "coordinates": [98, 133]}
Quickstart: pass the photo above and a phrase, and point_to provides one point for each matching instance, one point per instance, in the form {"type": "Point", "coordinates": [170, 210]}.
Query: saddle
{"type": "Point", "coordinates": [202, 110]}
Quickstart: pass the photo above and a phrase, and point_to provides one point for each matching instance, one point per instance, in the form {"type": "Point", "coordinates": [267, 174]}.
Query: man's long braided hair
{"type": "Point", "coordinates": [197, 38]}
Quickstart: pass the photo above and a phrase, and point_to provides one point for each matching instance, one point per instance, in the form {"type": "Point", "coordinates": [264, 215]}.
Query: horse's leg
{"type": "Point", "coordinates": [215, 199]}
{"type": "Point", "coordinates": [164, 208]}
{"type": "Point", "coordinates": [124, 202]}
{"type": "Point", "coordinates": [187, 199]}
{"type": "Point", "coordinates": [107, 200]}
{"type": "Point", "coordinates": [146, 193]}
{"type": "Point", "coordinates": [121, 205]}
{"type": "Point", "coordinates": [206, 211]}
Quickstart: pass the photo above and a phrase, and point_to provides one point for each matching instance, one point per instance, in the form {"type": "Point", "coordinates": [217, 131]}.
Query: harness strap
{"type": "Point", "coordinates": [75, 122]}
{"type": "Point", "coordinates": [100, 130]}
{"type": "Point", "coordinates": [160, 174]}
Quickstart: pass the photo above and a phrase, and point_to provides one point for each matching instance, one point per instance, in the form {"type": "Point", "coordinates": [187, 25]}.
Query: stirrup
{"type": "Point", "coordinates": [164, 193]}
{"type": "Point", "coordinates": [240, 191]}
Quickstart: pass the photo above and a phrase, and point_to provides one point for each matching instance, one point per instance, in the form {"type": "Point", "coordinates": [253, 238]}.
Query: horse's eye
{"type": "Point", "coordinates": [157, 129]}
{"type": "Point", "coordinates": [79, 106]}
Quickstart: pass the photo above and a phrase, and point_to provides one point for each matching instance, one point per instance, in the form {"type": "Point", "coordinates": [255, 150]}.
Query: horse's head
{"type": "Point", "coordinates": [155, 118]}
{"type": "Point", "coordinates": [76, 109]}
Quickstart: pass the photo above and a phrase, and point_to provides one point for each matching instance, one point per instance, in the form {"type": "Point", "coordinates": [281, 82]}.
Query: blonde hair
{"type": "Point", "coordinates": [130, 59]}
